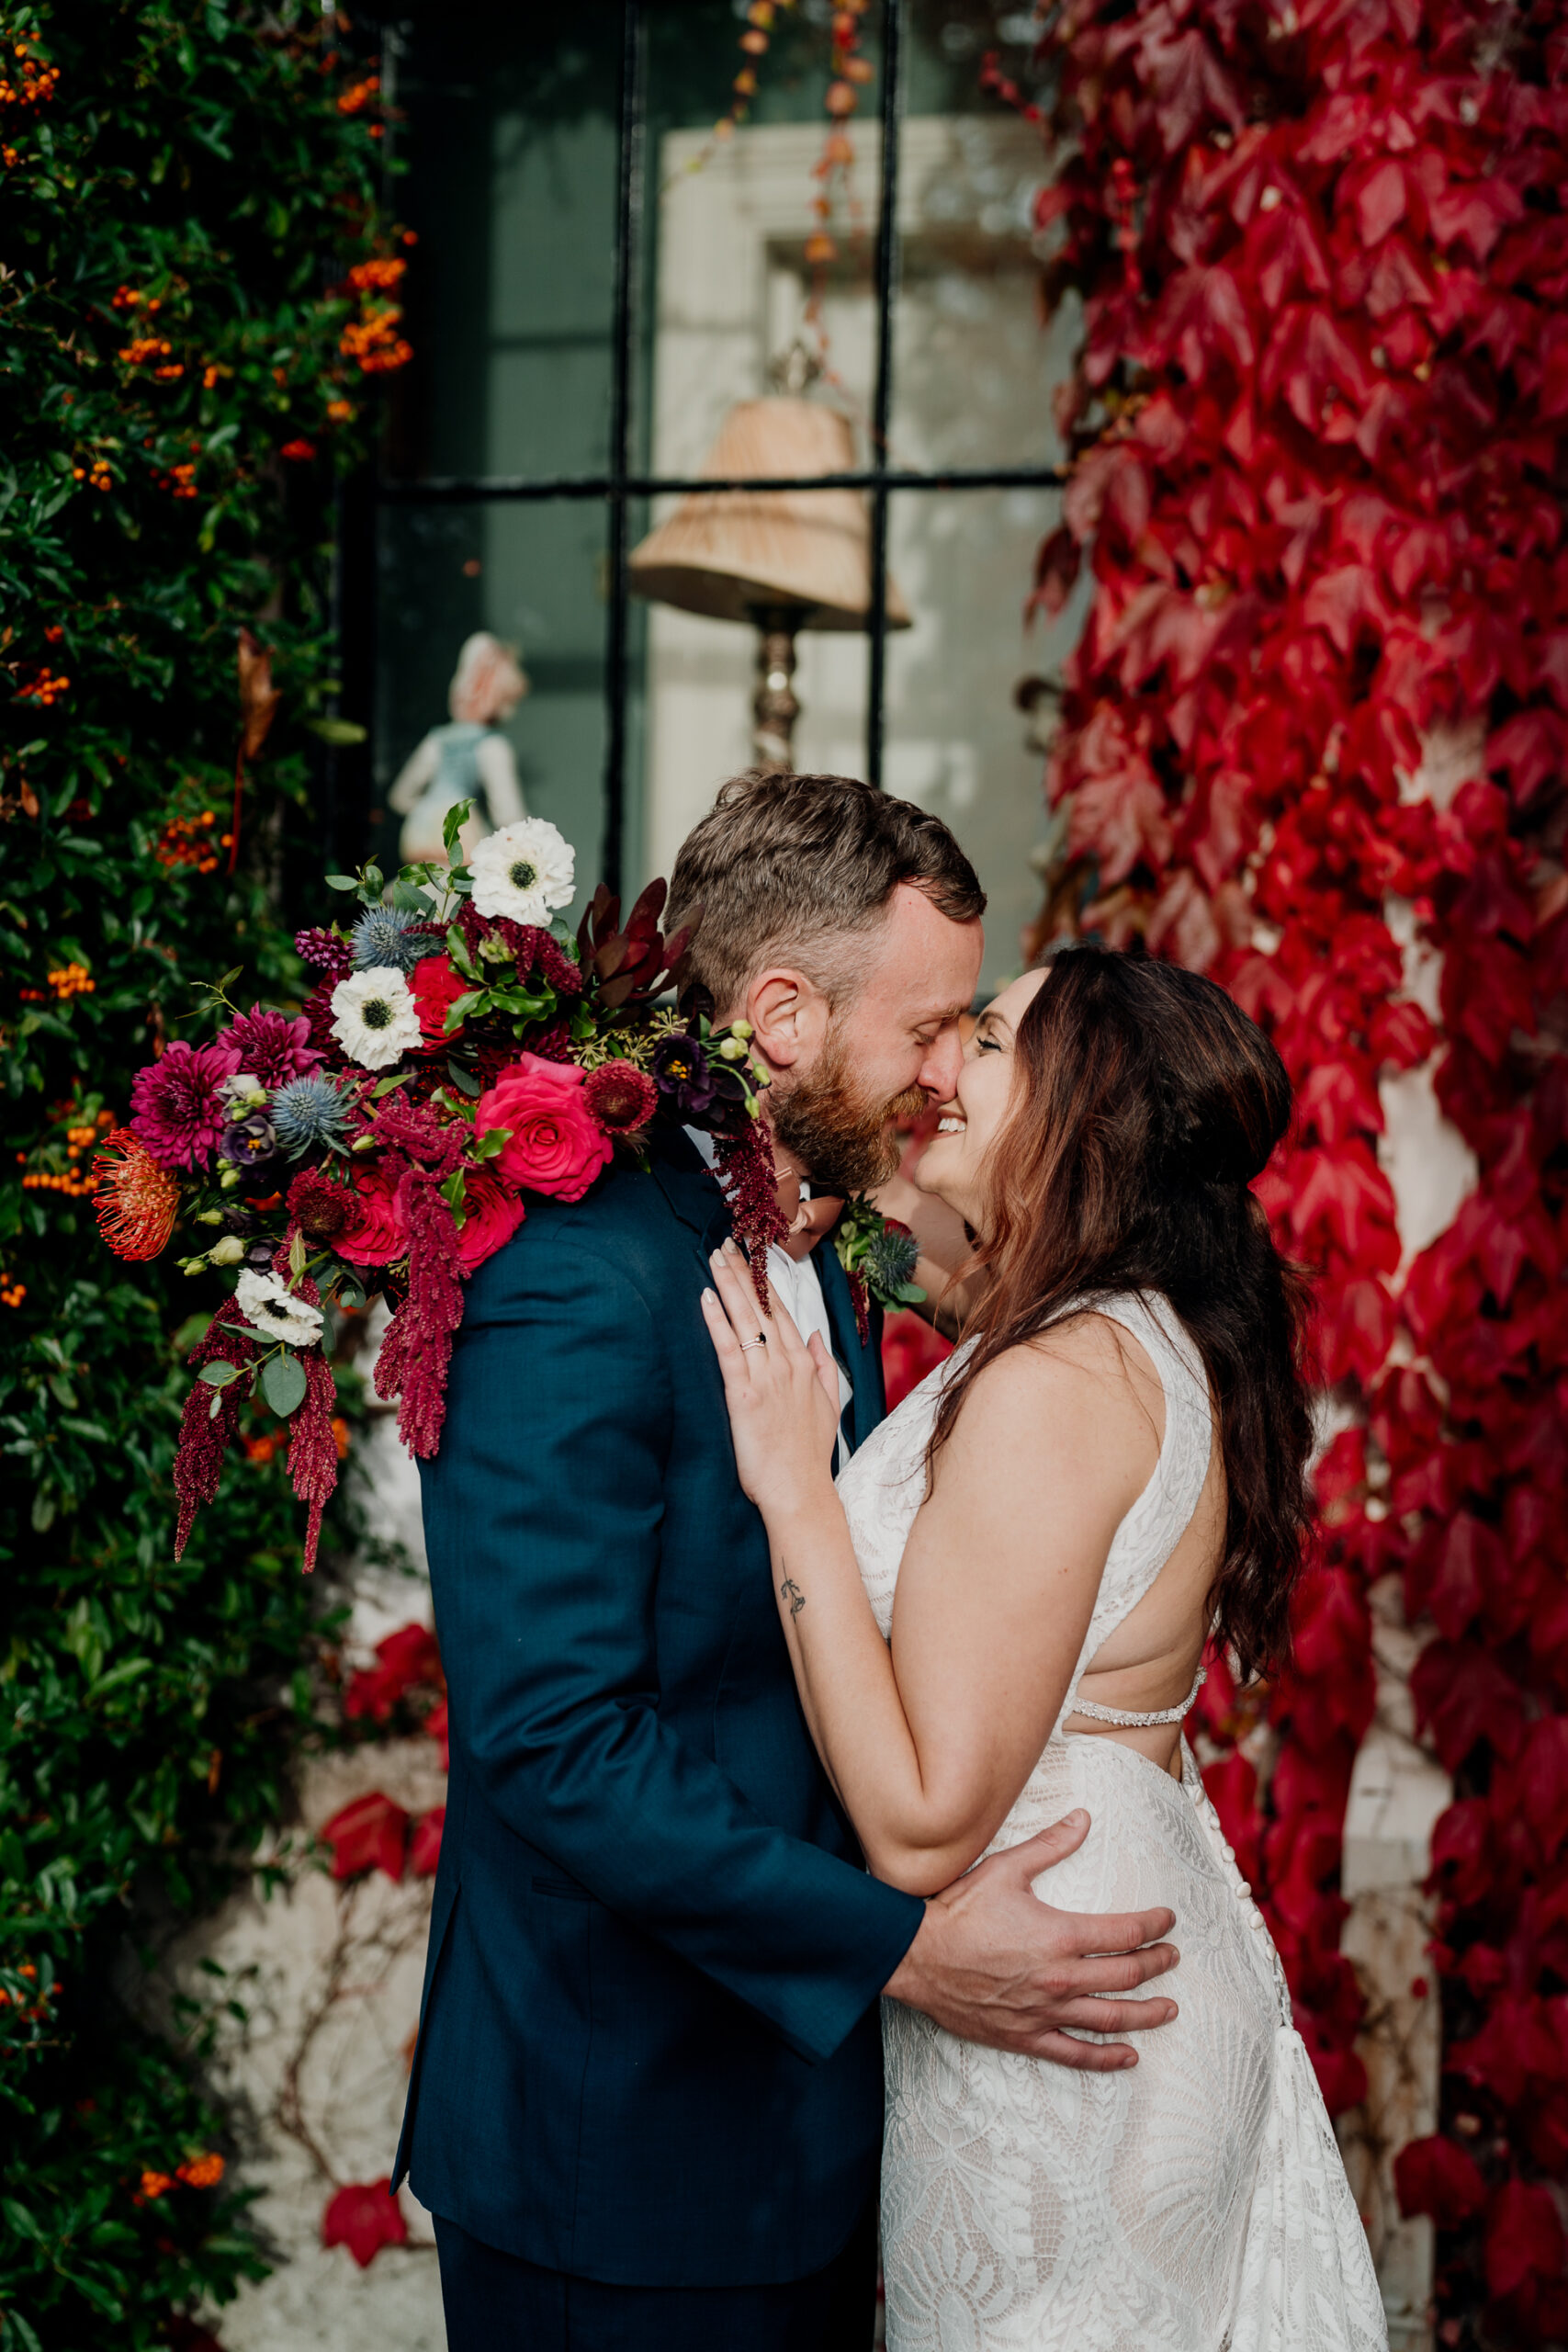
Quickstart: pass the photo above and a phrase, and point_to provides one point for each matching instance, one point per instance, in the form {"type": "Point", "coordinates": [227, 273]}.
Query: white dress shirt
{"type": "Point", "coordinates": [795, 1282]}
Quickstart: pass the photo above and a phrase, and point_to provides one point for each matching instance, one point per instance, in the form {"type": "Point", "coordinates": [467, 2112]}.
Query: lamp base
{"type": "Point", "coordinates": [775, 708]}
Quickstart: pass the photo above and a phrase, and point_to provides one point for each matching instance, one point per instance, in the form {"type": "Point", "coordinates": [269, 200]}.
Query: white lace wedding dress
{"type": "Point", "coordinates": [1195, 2203]}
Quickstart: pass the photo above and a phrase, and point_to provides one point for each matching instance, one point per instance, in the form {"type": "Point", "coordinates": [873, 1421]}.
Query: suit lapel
{"type": "Point", "coordinates": [691, 1190]}
{"type": "Point", "coordinates": [868, 1405]}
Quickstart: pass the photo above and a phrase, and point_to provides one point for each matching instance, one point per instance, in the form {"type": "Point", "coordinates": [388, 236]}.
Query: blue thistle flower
{"type": "Point", "coordinates": [308, 1114]}
{"type": "Point", "coordinates": [890, 1261]}
{"type": "Point", "coordinates": [391, 935]}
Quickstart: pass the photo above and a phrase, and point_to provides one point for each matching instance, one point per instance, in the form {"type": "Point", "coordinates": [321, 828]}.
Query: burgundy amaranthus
{"type": "Point", "coordinates": [531, 946]}
{"type": "Point", "coordinates": [744, 1165]}
{"type": "Point", "coordinates": [205, 1435]}
{"type": "Point", "coordinates": [312, 1448]}
{"type": "Point", "coordinates": [417, 1348]}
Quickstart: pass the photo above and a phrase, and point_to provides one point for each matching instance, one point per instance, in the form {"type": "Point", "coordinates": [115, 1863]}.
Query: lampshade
{"type": "Point", "coordinates": [731, 554]}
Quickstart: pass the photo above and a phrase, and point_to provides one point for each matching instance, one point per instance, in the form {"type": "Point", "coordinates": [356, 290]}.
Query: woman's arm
{"type": "Point", "coordinates": [930, 1742]}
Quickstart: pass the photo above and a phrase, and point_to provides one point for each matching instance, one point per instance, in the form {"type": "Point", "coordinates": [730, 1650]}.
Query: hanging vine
{"type": "Point", "coordinates": [1320, 437]}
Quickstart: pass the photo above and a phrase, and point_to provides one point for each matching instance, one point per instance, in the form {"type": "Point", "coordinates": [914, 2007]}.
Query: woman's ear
{"type": "Point", "coordinates": [789, 1016]}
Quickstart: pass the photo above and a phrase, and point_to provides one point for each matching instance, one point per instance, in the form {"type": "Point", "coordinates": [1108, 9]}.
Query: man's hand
{"type": "Point", "coordinates": [994, 1964]}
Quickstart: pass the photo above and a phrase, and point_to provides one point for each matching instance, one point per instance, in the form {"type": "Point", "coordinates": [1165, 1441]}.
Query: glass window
{"type": "Point", "coordinates": [599, 279]}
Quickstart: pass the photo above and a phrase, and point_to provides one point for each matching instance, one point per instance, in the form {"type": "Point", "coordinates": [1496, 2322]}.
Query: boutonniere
{"type": "Point", "coordinates": [879, 1255]}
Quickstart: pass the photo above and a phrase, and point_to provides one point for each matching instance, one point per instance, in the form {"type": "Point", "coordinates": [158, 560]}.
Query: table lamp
{"type": "Point", "coordinates": [781, 559]}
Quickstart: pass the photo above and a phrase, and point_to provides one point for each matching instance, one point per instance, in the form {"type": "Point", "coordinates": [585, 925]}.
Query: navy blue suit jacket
{"type": "Point", "coordinates": [650, 2049]}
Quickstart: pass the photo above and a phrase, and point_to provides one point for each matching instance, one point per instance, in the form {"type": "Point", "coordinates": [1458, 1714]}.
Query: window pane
{"type": "Point", "coordinates": [956, 740]}
{"type": "Point", "coordinates": [510, 141]}
{"type": "Point", "coordinates": [532, 574]}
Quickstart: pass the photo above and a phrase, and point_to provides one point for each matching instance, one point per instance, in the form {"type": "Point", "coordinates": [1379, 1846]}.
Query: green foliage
{"type": "Point", "coordinates": [184, 369]}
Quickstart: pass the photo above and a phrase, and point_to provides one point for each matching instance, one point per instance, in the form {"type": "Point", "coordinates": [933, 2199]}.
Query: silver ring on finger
{"type": "Point", "coordinates": [760, 1341]}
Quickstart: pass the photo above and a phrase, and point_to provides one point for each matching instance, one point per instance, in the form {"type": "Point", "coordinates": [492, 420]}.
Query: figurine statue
{"type": "Point", "coordinates": [467, 760]}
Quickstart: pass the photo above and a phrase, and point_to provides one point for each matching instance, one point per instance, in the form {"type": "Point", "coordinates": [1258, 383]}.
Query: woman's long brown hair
{"type": "Point", "coordinates": [1145, 1102]}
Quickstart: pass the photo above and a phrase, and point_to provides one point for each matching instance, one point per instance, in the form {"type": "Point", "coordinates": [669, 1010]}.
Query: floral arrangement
{"type": "Point", "coordinates": [1313, 744]}
{"type": "Point", "coordinates": [459, 1050]}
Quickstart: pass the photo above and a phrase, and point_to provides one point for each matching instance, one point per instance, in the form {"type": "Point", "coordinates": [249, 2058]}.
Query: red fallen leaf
{"type": "Point", "coordinates": [435, 1725]}
{"type": "Point", "coordinates": [1524, 2236]}
{"type": "Point", "coordinates": [364, 2217]}
{"type": "Point", "coordinates": [369, 1834]}
{"type": "Point", "coordinates": [405, 1658]}
{"type": "Point", "coordinates": [425, 1846]}
{"type": "Point", "coordinates": [1439, 2177]}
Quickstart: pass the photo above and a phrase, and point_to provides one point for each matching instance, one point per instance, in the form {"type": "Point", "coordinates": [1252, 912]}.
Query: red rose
{"type": "Point", "coordinates": [556, 1145]}
{"type": "Point", "coordinates": [380, 1234]}
{"type": "Point", "coordinates": [492, 1216]}
{"type": "Point", "coordinates": [436, 988]}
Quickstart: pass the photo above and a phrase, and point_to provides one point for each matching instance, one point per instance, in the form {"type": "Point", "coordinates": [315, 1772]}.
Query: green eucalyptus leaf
{"type": "Point", "coordinates": [218, 1375]}
{"type": "Point", "coordinates": [283, 1384]}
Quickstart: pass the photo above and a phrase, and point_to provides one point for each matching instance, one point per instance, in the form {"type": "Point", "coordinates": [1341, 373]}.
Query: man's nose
{"type": "Point", "coordinates": [939, 1071]}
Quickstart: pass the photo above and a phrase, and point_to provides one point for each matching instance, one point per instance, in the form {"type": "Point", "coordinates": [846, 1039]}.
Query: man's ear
{"type": "Point", "coordinates": [789, 1016]}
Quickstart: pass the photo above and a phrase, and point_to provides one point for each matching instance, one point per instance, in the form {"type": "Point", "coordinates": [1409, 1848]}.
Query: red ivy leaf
{"type": "Point", "coordinates": [364, 2217]}
{"type": "Point", "coordinates": [369, 1834]}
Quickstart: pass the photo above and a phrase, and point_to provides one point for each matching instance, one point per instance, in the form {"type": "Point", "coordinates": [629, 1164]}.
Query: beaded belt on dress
{"type": "Point", "coordinates": [1130, 1721]}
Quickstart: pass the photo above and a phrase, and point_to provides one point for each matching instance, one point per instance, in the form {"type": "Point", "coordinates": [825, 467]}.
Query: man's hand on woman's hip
{"type": "Point", "coordinates": [994, 1964]}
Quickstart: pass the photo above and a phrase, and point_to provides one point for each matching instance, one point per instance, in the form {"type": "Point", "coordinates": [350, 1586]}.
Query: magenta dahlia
{"type": "Point", "coordinates": [272, 1048]}
{"type": "Point", "coordinates": [176, 1104]}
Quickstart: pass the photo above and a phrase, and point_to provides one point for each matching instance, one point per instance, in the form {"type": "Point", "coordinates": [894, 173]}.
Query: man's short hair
{"type": "Point", "coordinates": [793, 868]}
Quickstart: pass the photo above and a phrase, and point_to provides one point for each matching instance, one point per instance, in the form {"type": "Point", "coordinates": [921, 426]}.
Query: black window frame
{"type": "Point", "coordinates": [617, 487]}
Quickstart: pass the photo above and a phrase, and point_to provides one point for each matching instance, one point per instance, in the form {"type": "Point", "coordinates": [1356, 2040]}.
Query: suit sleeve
{"type": "Point", "coordinates": [545, 1551]}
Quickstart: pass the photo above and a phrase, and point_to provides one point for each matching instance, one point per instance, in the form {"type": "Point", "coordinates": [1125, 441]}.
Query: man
{"type": "Point", "coordinates": [646, 2103]}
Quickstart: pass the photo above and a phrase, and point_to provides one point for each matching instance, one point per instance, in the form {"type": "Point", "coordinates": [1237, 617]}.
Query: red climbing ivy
{"type": "Point", "coordinates": [1320, 436]}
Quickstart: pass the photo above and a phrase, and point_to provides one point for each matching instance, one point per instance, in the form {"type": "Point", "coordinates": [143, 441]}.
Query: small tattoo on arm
{"type": "Point", "coordinates": [792, 1593]}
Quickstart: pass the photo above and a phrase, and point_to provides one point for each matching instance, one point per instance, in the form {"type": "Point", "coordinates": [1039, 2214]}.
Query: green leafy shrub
{"type": "Point", "coordinates": [198, 296]}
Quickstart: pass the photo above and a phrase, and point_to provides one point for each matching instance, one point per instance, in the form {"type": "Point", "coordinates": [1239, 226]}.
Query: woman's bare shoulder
{"type": "Point", "coordinates": [1086, 1376]}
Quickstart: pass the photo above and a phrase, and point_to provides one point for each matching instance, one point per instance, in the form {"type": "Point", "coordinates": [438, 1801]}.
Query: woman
{"type": "Point", "coordinates": [999, 1616]}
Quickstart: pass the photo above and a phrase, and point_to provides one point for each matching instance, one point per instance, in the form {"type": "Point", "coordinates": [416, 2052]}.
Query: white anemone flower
{"type": "Point", "coordinates": [376, 1019]}
{"type": "Point", "coordinates": [523, 871]}
{"type": "Point", "coordinates": [269, 1305]}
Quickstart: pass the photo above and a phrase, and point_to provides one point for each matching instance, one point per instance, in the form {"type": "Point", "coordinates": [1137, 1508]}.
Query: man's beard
{"type": "Point", "coordinates": [844, 1139]}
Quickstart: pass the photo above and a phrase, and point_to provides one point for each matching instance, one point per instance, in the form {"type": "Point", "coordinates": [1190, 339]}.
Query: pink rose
{"type": "Point", "coordinates": [556, 1144]}
{"type": "Point", "coordinates": [492, 1216]}
{"type": "Point", "coordinates": [380, 1234]}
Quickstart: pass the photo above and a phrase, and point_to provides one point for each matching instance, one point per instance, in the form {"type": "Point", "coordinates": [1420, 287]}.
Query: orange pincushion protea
{"type": "Point", "coordinates": [137, 1200]}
